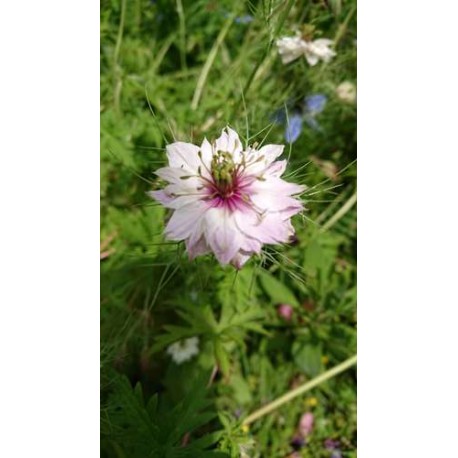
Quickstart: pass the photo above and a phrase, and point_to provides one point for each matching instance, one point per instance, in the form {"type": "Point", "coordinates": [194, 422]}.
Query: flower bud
{"type": "Point", "coordinates": [285, 311]}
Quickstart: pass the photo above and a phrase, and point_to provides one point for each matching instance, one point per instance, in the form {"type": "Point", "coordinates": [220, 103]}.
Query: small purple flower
{"type": "Point", "coordinates": [293, 128]}
{"type": "Point", "coordinates": [333, 446]}
{"type": "Point", "coordinates": [306, 424]}
{"type": "Point", "coordinates": [297, 442]}
{"type": "Point", "coordinates": [246, 19]}
{"type": "Point", "coordinates": [314, 104]}
{"type": "Point", "coordinates": [285, 311]}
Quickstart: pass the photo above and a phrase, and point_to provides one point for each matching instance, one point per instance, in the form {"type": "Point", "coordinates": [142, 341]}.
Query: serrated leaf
{"type": "Point", "coordinates": [278, 292]}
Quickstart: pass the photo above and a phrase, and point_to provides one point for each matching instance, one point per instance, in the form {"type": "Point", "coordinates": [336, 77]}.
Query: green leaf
{"type": "Point", "coordinates": [221, 356]}
{"type": "Point", "coordinates": [276, 290]}
{"type": "Point", "coordinates": [242, 392]}
{"type": "Point", "coordinates": [308, 358]}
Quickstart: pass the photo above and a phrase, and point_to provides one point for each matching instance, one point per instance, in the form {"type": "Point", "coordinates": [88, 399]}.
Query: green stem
{"type": "Point", "coordinates": [208, 63]}
{"type": "Point", "coordinates": [116, 70]}
{"type": "Point", "coordinates": [300, 390]}
{"type": "Point", "coordinates": [338, 214]}
{"type": "Point", "coordinates": [120, 32]}
{"type": "Point", "coordinates": [181, 16]}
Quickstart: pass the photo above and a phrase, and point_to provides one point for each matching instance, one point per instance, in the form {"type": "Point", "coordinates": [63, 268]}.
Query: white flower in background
{"type": "Point", "coordinates": [184, 350]}
{"type": "Point", "coordinates": [291, 48]}
{"type": "Point", "coordinates": [227, 199]}
{"type": "Point", "coordinates": [346, 92]}
{"type": "Point", "coordinates": [319, 50]}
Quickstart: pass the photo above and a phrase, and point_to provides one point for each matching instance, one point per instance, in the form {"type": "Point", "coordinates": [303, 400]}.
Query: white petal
{"type": "Point", "coordinates": [271, 152]}
{"type": "Point", "coordinates": [229, 141]}
{"type": "Point", "coordinates": [183, 156]}
{"type": "Point", "coordinates": [206, 153]}
{"type": "Point", "coordinates": [222, 234]}
{"type": "Point", "coordinates": [290, 48]}
{"type": "Point", "coordinates": [311, 58]}
{"type": "Point", "coordinates": [183, 221]}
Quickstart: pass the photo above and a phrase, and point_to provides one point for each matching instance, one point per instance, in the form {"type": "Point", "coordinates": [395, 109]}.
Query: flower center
{"type": "Point", "coordinates": [224, 173]}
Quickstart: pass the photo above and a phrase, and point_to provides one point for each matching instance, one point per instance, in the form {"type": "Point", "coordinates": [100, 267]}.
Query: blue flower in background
{"type": "Point", "coordinates": [293, 128]}
{"type": "Point", "coordinates": [243, 19]}
{"type": "Point", "coordinates": [314, 104]}
{"type": "Point", "coordinates": [278, 116]}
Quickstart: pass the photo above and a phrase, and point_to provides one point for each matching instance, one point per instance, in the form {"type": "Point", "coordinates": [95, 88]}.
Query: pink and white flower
{"type": "Point", "coordinates": [226, 199]}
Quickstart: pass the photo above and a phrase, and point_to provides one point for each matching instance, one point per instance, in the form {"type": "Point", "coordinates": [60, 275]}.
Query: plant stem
{"type": "Point", "coordinates": [341, 212]}
{"type": "Point", "coordinates": [116, 69]}
{"type": "Point", "coordinates": [300, 390]}
{"type": "Point", "coordinates": [181, 16]}
{"type": "Point", "coordinates": [208, 63]}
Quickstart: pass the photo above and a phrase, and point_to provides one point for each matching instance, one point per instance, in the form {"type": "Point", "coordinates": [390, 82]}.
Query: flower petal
{"type": "Point", "coordinates": [222, 234]}
{"type": "Point", "coordinates": [198, 248]}
{"type": "Point", "coordinates": [229, 141]}
{"type": "Point", "coordinates": [206, 151]}
{"type": "Point", "coordinates": [183, 156]}
{"type": "Point", "coordinates": [290, 48]}
{"type": "Point", "coordinates": [183, 221]}
{"type": "Point", "coordinates": [268, 228]}
{"type": "Point", "coordinates": [240, 259]}
{"type": "Point", "coordinates": [161, 197]}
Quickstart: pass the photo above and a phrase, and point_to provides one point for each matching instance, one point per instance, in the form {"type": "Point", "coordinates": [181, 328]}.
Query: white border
{"type": "Point", "coordinates": [407, 229]}
{"type": "Point", "coordinates": [49, 230]}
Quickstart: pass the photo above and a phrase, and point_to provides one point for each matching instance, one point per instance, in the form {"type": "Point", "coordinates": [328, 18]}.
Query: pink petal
{"type": "Point", "coordinates": [240, 259]}
{"type": "Point", "coordinates": [269, 228]}
{"type": "Point", "coordinates": [276, 169]}
{"type": "Point", "coordinates": [183, 221]}
{"type": "Point", "coordinates": [222, 234]}
{"type": "Point", "coordinates": [197, 248]}
{"type": "Point", "coordinates": [273, 202]}
{"type": "Point", "coordinates": [161, 197]}
{"type": "Point", "coordinates": [277, 185]}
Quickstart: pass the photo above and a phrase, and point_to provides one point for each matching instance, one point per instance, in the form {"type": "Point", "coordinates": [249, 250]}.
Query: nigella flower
{"type": "Point", "coordinates": [293, 128]}
{"type": "Point", "coordinates": [291, 48]}
{"type": "Point", "coordinates": [184, 350]}
{"type": "Point", "coordinates": [226, 199]}
{"type": "Point", "coordinates": [314, 105]}
{"type": "Point", "coordinates": [246, 19]}
{"type": "Point", "coordinates": [319, 50]}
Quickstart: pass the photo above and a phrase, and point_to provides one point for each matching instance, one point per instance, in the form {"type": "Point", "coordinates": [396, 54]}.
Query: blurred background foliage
{"type": "Point", "coordinates": [183, 70]}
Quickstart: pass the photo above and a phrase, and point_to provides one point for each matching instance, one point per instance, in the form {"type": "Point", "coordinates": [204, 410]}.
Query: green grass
{"type": "Point", "coordinates": [184, 70]}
